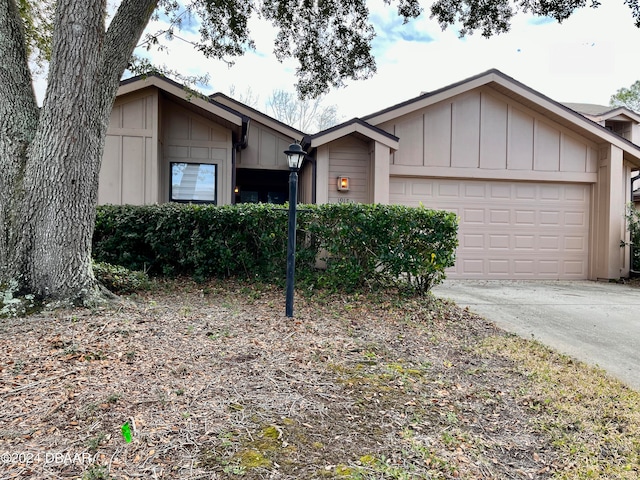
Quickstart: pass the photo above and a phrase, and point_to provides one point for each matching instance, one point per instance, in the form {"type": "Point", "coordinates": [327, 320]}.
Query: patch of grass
{"type": "Point", "coordinates": [592, 419]}
{"type": "Point", "coordinates": [96, 472]}
{"type": "Point", "coordinates": [113, 398]}
{"type": "Point", "coordinates": [120, 280]}
{"type": "Point", "coordinates": [94, 442]}
{"type": "Point", "coordinates": [411, 467]}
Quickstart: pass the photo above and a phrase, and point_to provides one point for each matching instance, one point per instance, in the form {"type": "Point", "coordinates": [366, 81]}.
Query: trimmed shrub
{"type": "Point", "coordinates": [361, 245]}
{"type": "Point", "coordinates": [384, 245]}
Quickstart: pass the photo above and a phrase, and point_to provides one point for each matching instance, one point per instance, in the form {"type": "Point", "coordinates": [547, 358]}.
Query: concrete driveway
{"type": "Point", "coordinates": [596, 322]}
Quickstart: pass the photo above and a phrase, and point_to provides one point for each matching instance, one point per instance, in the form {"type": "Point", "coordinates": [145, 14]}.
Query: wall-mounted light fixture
{"type": "Point", "coordinates": [236, 190]}
{"type": "Point", "coordinates": [343, 184]}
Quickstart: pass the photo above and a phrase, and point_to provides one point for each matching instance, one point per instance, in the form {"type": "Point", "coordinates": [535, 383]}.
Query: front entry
{"type": "Point", "coordinates": [265, 186]}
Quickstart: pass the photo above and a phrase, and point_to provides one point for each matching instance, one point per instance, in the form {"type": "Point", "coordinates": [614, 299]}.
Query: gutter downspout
{"type": "Point", "coordinates": [237, 146]}
{"type": "Point", "coordinates": [305, 143]}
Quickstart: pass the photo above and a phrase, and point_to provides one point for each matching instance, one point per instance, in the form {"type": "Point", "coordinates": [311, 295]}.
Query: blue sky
{"type": "Point", "coordinates": [586, 59]}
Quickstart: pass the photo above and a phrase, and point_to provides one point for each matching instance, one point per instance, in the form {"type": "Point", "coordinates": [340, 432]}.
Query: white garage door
{"type": "Point", "coordinates": [509, 230]}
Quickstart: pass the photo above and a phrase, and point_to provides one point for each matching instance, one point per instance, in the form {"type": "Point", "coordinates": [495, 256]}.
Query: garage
{"type": "Point", "coordinates": [509, 229]}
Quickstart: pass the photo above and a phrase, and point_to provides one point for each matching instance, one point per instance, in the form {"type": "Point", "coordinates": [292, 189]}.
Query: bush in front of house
{"type": "Point", "coordinates": [339, 246]}
{"type": "Point", "coordinates": [383, 245]}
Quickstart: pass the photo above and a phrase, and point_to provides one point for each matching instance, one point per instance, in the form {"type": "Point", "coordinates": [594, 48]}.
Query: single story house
{"type": "Point", "coordinates": [540, 188]}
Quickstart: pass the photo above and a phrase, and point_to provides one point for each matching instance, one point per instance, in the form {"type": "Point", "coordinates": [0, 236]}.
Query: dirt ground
{"type": "Point", "coordinates": [213, 381]}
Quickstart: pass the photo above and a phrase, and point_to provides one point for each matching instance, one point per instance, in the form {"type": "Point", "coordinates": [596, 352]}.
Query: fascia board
{"type": "Point", "coordinates": [577, 119]}
{"type": "Point", "coordinates": [496, 77]}
{"type": "Point", "coordinates": [619, 112]}
{"type": "Point", "coordinates": [428, 99]}
{"type": "Point", "coordinates": [152, 81]}
{"type": "Point", "coordinates": [257, 116]}
{"type": "Point", "coordinates": [354, 127]}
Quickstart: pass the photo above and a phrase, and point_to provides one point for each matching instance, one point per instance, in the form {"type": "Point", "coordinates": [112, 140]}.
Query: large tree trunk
{"type": "Point", "coordinates": [18, 121]}
{"type": "Point", "coordinates": [48, 200]}
{"type": "Point", "coordinates": [63, 161]}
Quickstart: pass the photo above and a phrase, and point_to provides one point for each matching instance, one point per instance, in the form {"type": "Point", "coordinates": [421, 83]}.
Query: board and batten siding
{"type": "Point", "coordinates": [484, 131]}
{"type": "Point", "coordinates": [265, 149]}
{"type": "Point", "coordinates": [520, 184]}
{"type": "Point", "coordinates": [350, 157]}
{"type": "Point", "coordinates": [189, 137]}
{"type": "Point", "coordinates": [129, 171]}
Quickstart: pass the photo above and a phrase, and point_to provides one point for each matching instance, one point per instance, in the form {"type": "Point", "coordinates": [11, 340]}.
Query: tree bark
{"type": "Point", "coordinates": [18, 121]}
{"type": "Point", "coordinates": [50, 194]}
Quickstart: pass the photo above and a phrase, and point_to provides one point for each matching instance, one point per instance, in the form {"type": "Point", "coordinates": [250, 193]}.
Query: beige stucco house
{"type": "Point", "coordinates": [539, 188]}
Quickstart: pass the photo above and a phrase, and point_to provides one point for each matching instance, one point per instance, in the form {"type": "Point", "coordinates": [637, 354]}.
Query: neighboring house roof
{"type": "Point", "coordinates": [587, 108]}
{"type": "Point", "coordinates": [189, 99]}
{"type": "Point", "coordinates": [356, 126]}
{"type": "Point", "coordinates": [523, 94]}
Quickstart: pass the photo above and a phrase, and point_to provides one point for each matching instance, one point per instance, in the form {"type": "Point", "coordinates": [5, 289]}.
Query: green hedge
{"type": "Point", "coordinates": [358, 245]}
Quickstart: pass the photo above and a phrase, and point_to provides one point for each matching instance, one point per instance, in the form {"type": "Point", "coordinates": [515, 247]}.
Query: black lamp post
{"type": "Point", "coordinates": [295, 156]}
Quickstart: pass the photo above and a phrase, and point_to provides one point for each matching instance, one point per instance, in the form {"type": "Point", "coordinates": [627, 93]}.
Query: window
{"type": "Point", "coordinates": [193, 182]}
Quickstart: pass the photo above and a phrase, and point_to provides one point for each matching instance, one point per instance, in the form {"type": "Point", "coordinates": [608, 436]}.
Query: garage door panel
{"type": "Point", "coordinates": [473, 241]}
{"type": "Point", "coordinates": [421, 189]}
{"type": "Point", "coordinates": [549, 242]}
{"type": "Point", "coordinates": [451, 190]}
{"type": "Point", "coordinates": [474, 215]}
{"type": "Point", "coordinates": [550, 193]}
{"type": "Point", "coordinates": [578, 219]}
{"type": "Point", "coordinates": [525, 217]}
{"type": "Point", "coordinates": [524, 242]}
{"type": "Point", "coordinates": [499, 242]}
{"type": "Point", "coordinates": [550, 267]}
{"type": "Point", "coordinates": [475, 191]}
{"type": "Point", "coordinates": [523, 192]}
{"type": "Point", "coordinates": [551, 218]}
{"type": "Point", "coordinates": [499, 217]}
{"type": "Point", "coordinates": [499, 191]}
{"type": "Point", "coordinates": [513, 230]}
{"type": "Point", "coordinates": [576, 244]}
{"type": "Point", "coordinates": [498, 267]}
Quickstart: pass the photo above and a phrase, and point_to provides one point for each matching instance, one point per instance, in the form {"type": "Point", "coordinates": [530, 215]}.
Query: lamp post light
{"type": "Point", "coordinates": [295, 156]}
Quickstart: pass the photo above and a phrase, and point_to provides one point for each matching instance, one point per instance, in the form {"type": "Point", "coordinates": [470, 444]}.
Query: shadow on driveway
{"type": "Point", "coordinates": [596, 322]}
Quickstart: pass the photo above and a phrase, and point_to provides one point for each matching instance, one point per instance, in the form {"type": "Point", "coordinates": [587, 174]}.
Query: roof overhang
{"type": "Point", "coordinates": [522, 94]}
{"type": "Point", "coordinates": [189, 99]}
{"type": "Point", "coordinates": [358, 128]}
{"type": "Point", "coordinates": [620, 114]}
{"type": "Point", "coordinates": [257, 116]}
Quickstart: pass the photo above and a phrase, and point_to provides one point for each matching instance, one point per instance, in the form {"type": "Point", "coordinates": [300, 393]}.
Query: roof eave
{"type": "Point", "coordinates": [178, 91]}
{"type": "Point", "coordinates": [358, 126]}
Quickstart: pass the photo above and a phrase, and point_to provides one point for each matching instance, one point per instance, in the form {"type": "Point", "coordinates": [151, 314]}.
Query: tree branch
{"type": "Point", "coordinates": [123, 34]}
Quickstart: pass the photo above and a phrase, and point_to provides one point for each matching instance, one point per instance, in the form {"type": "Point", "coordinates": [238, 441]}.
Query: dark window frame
{"type": "Point", "coordinates": [181, 200]}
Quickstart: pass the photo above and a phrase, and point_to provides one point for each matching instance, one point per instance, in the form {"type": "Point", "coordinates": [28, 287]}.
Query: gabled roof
{"type": "Point", "coordinates": [189, 99]}
{"type": "Point", "coordinates": [521, 93]}
{"type": "Point", "coordinates": [355, 126]}
{"type": "Point", "coordinates": [257, 115]}
{"type": "Point", "coordinates": [599, 113]}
